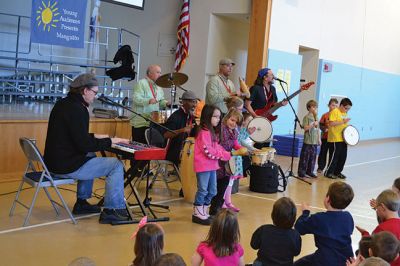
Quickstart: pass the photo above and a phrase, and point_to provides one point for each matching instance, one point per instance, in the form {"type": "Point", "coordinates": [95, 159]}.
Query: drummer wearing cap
{"type": "Point", "coordinates": [338, 121]}
{"type": "Point", "coordinates": [147, 98]}
{"type": "Point", "coordinates": [182, 122]}
{"type": "Point", "coordinates": [70, 152]}
{"type": "Point", "coordinates": [220, 86]}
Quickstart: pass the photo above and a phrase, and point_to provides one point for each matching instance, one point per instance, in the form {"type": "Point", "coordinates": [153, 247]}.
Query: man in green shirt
{"type": "Point", "coordinates": [147, 98]}
{"type": "Point", "coordinates": [220, 86]}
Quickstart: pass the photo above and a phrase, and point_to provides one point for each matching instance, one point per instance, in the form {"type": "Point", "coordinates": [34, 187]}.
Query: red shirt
{"type": "Point", "coordinates": [324, 124]}
{"type": "Point", "coordinates": [392, 226]}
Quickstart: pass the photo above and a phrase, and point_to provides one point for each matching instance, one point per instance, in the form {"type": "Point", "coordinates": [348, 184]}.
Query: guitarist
{"type": "Point", "coordinates": [263, 92]}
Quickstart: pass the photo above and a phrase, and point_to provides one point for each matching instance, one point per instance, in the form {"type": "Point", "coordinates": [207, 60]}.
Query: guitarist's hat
{"type": "Point", "coordinates": [263, 71]}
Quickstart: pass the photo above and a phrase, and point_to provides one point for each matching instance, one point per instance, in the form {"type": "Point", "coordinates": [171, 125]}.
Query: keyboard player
{"type": "Point", "coordinates": [70, 152]}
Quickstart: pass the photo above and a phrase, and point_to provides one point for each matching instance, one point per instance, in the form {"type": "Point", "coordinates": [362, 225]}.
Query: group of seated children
{"type": "Point", "coordinates": [279, 243]}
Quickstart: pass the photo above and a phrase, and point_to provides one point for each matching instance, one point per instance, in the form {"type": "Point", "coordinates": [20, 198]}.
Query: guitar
{"type": "Point", "coordinates": [270, 108]}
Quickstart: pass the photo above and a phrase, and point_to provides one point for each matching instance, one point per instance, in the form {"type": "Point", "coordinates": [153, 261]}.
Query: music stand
{"type": "Point", "coordinates": [133, 171]}
{"type": "Point", "coordinates": [296, 120]}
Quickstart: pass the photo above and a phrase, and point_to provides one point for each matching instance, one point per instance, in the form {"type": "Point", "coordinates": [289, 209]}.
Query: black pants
{"type": "Point", "coordinates": [138, 134]}
{"type": "Point", "coordinates": [336, 164]}
{"type": "Point", "coordinates": [325, 147]}
{"type": "Point", "coordinates": [218, 200]}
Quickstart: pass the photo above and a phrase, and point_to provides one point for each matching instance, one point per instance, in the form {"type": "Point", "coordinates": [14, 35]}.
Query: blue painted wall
{"type": "Point", "coordinates": [286, 61]}
{"type": "Point", "coordinates": [375, 95]}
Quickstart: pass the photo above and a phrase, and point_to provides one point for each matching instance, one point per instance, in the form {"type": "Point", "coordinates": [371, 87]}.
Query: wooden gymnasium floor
{"type": "Point", "coordinates": [371, 167]}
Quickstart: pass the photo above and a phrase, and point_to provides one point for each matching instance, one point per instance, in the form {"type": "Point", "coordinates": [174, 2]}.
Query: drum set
{"type": "Point", "coordinates": [172, 81]}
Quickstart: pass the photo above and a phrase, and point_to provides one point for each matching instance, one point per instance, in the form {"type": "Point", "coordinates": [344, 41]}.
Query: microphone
{"type": "Point", "coordinates": [102, 98]}
{"type": "Point", "coordinates": [280, 80]}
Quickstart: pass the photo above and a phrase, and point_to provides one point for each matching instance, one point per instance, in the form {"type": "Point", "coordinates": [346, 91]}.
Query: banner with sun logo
{"type": "Point", "coordinates": [58, 22]}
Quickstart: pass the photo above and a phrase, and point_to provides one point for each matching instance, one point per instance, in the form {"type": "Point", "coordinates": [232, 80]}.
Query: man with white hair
{"type": "Point", "coordinates": [147, 98]}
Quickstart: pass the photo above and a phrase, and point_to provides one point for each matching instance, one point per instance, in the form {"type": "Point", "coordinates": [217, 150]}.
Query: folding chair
{"type": "Point", "coordinates": [154, 138]}
{"type": "Point", "coordinates": [39, 177]}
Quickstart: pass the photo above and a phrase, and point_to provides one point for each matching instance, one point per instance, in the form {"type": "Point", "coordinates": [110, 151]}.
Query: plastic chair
{"type": "Point", "coordinates": [154, 138]}
{"type": "Point", "coordinates": [39, 177]}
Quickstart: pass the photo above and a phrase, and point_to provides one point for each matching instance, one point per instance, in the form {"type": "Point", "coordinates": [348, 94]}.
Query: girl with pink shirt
{"type": "Point", "coordinates": [229, 141]}
{"type": "Point", "coordinates": [207, 152]}
{"type": "Point", "coordinates": [222, 245]}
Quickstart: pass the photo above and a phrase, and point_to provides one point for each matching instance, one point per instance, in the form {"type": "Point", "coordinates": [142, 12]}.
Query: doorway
{"type": "Point", "coordinates": [309, 72]}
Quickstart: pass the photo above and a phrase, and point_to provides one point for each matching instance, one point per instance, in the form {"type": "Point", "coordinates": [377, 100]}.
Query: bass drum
{"type": "Point", "coordinates": [351, 135]}
{"type": "Point", "coordinates": [263, 129]}
{"type": "Point", "coordinates": [189, 180]}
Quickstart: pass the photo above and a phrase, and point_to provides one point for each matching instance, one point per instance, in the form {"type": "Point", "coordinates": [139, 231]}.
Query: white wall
{"type": "Point", "coordinates": [228, 37]}
{"type": "Point", "coordinates": [201, 12]}
{"type": "Point", "coordinates": [358, 32]}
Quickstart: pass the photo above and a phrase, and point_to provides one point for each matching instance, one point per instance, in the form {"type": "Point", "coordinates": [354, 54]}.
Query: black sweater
{"type": "Point", "coordinates": [68, 139]}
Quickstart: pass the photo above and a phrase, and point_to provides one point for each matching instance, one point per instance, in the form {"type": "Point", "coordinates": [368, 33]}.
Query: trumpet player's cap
{"type": "Point", "coordinates": [263, 72]}
{"type": "Point", "coordinates": [226, 61]}
{"type": "Point", "coordinates": [188, 95]}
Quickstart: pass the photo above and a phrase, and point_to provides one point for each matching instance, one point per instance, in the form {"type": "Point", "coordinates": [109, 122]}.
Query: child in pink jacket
{"type": "Point", "coordinates": [207, 152]}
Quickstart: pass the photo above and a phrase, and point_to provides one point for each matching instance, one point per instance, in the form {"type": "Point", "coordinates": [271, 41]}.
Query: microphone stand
{"type": "Point", "coordinates": [147, 201]}
{"type": "Point", "coordinates": [296, 120]}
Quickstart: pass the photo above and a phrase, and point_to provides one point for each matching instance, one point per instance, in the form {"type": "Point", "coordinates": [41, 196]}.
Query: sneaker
{"type": "Point", "coordinates": [331, 176]}
{"type": "Point", "coordinates": [301, 176]}
{"type": "Point", "coordinates": [84, 207]}
{"type": "Point", "coordinates": [108, 216]}
{"type": "Point", "coordinates": [311, 175]}
{"type": "Point", "coordinates": [341, 176]}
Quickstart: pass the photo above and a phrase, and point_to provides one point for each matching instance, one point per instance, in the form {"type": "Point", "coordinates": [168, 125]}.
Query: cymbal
{"type": "Point", "coordinates": [167, 80]}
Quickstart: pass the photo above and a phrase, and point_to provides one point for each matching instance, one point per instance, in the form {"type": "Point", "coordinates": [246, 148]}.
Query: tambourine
{"type": "Point", "coordinates": [351, 135]}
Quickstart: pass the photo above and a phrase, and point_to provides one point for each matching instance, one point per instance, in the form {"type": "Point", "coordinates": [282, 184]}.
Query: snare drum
{"type": "Point", "coordinates": [230, 166]}
{"type": "Point", "coordinates": [351, 135]}
{"type": "Point", "coordinates": [263, 130]}
{"type": "Point", "coordinates": [262, 157]}
{"type": "Point", "coordinates": [189, 180]}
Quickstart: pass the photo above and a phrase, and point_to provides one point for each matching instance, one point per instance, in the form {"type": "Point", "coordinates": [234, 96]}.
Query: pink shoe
{"type": "Point", "coordinates": [232, 207]}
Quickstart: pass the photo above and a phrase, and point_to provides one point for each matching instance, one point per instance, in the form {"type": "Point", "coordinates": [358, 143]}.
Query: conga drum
{"type": "Point", "coordinates": [189, 180]}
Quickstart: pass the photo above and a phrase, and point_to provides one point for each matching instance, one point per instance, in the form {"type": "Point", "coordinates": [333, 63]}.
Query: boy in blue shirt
{"type": "Point", "coordinates": [331, 229]}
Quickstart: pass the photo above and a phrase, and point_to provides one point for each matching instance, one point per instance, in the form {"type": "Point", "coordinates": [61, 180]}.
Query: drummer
{"type": "Point", "coordinates": [147, 98]}
{"type": "Point", "coordinates": [183, 123]}
{"type": "Point", "coordinates": [338, 121]}
{"type": "Point", "coordinates": [262, 93]}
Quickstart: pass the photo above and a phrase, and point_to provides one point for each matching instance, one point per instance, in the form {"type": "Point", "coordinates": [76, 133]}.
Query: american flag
{"type": "Point", "coordinates": [182, 48]}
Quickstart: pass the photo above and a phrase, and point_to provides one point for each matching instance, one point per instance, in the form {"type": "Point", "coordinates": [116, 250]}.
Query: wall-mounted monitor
{"type": "Point", "coordinates": [139, 4]}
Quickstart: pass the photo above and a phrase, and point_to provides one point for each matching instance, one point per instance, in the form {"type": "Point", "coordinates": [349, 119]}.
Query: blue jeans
{"type": "Point", "coordinates": [206, 188]}
{"type": "Point", "coordinates": [97, 167]}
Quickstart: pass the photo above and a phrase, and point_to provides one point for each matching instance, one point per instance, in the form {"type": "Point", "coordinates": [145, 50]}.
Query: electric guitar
{"type": "Point", "coordinates": [271, 107]}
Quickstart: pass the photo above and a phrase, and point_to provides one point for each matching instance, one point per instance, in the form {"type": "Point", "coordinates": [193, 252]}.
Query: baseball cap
{"type": "Point", "coordinates": [226, 61]}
